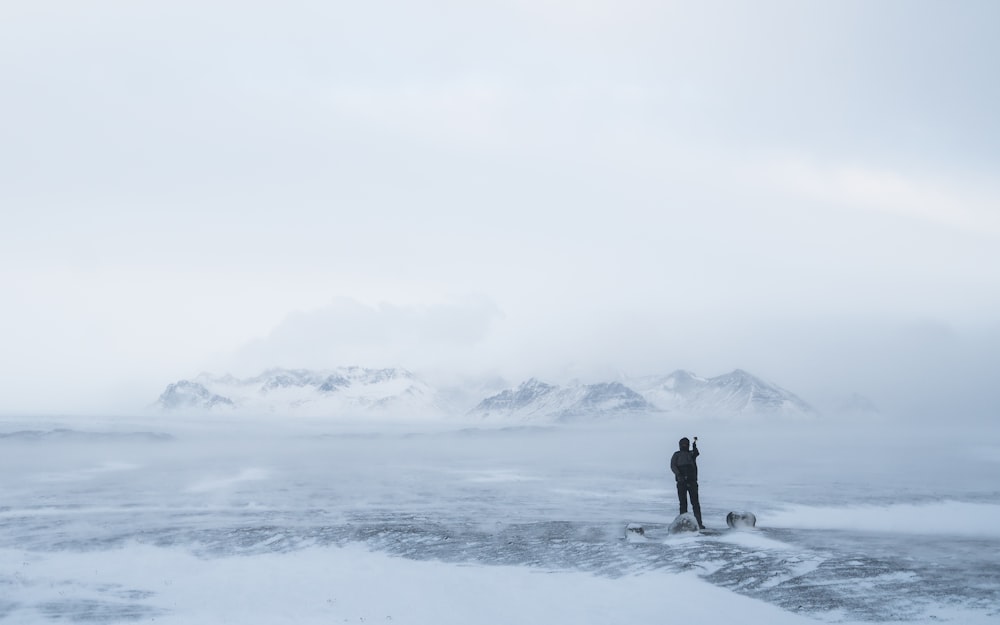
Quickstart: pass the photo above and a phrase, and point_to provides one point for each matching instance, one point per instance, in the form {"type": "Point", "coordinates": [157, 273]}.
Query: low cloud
{"type": "Point", "coordinates": [349, 332]}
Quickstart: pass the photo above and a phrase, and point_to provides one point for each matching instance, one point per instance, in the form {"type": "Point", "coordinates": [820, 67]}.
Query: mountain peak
{"type": "Point", "coordinates": [537, 401]}
{"type": "Point", "coordinates": [357, 391]}
{"type": "Point", "coordinates": [744, 393]}
{"type": "Point", "coordinates": [185, 394]}
{"type": "Point", "coordinates": [345, 391]}
{"type": "Point", "coordinates": [737, 393]}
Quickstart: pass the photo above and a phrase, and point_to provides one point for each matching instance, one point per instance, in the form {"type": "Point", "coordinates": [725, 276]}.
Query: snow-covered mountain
{"type": "Point", "coordinates": [737, 393]}
{"type": "Point", "coordinates": [360, 392]}
{"type": "Point", "coordinates": [185, 394]}
{"type": "Point", "coordinates": [534, 400]}
{"type": "Point", "coordinates": [681, 393]}
{"type": "Point", "coordinates": [345, 391]}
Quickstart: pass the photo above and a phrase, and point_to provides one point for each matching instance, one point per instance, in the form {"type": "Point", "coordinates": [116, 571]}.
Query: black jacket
{"type": "Point", "coordinates": [684, 465]}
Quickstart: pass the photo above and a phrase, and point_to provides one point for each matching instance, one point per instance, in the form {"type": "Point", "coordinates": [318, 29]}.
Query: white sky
{"type": "Point", "coordinates": [501, 188]}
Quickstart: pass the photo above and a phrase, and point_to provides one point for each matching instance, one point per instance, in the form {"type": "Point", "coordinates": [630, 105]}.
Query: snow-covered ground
{"type": "Point", "coordinates": [281, 521]}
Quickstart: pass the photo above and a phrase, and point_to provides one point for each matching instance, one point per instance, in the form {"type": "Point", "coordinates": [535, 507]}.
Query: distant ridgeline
{"type": "Point", "coordinates": [682, 393]}
{"type": "Point", "coordinates": [357, 391]}
{"type": "Point", "coordinates": [344, 391]}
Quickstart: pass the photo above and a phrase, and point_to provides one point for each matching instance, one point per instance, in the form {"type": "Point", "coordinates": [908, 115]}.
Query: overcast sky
{"type": "Point", "coordinates": [500, 189]}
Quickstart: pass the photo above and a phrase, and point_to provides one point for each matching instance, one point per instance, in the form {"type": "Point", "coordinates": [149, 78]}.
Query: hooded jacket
{"type": "Point", "coordinates": [684, 462]}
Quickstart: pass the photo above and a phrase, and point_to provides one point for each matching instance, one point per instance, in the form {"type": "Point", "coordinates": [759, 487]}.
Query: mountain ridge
{"type": "Point", "coordinates": [328, 392]}
{"type": "Point", "coordinates": [394, 392]}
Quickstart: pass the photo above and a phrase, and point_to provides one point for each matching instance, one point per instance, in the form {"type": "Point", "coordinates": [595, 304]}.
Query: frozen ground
{"type": "Point", "coordinates": [107, 521]}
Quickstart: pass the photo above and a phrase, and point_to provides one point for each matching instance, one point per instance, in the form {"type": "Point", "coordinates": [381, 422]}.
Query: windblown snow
{"type": "Point", "coordinates": [283, 520]}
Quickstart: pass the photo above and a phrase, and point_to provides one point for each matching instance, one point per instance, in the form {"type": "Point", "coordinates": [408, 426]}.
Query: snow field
{"type": "Point", "coordinates": [304, 522]}
{"type": "Point", "coordinates": [354, 585]}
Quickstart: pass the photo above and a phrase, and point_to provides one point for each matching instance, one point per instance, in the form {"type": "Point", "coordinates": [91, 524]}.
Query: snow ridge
{"type": "Point", "coordinates": [345, 391]}
{"type": "Point", "coordinates": [361, 392]}
{"type": "Point", "coordinates": [735, 394]}
{"type": "Point", "coordinates": [535, 400]}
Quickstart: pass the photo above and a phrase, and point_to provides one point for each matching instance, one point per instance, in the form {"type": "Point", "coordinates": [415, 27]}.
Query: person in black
{"type": "Point", "coordinates": [685, 467]}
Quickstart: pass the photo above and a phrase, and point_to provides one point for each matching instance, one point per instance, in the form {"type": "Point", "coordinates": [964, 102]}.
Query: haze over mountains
{"type": "Point", "coordinates": [345, 391]}
{"type": "Point", "coordinates": [360, 392]}
{"type": "Point", "coordinates": [682, 393]}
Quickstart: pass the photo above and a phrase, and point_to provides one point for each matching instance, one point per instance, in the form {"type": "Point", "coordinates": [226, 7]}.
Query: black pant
{"type": "Point", "coordinates": [687, 489]}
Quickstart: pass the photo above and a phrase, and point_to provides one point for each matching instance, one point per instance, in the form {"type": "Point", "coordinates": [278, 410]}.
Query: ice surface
{"type": "Point", "coordinates": [311, 522]}
{"type": "Point", "coordinates": [947, 517]}
{"type": "Point", "coordinates": [336, 585]}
